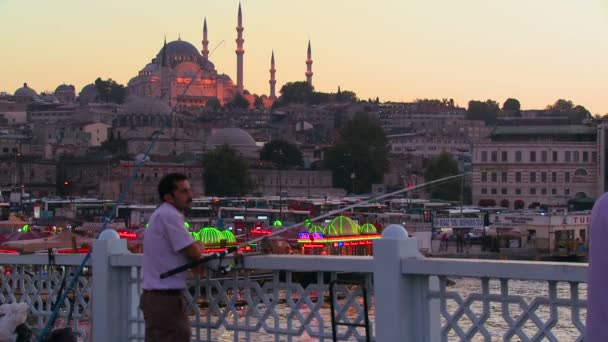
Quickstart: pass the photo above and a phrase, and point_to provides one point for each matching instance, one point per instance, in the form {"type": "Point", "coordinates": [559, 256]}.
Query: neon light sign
{"type": "Point", "coordinates": [313, 245]}
{"type": "Point", "coordinates": [127, 235]}
{"type": "Point", "coordinates": [261, 231]}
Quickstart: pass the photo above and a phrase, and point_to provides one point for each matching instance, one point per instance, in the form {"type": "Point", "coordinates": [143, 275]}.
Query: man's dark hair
{"type": "Point", "coordinates": [168, 184]}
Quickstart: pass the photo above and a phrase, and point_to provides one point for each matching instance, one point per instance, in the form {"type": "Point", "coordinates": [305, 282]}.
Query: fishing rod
{"type": "Point", "coordinates": [232, 249]}
{"type": "Point", "coordinates": [112, 213]}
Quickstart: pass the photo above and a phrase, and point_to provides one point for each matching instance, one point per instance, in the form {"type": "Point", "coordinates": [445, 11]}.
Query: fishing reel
{"type": "Point", "coordinates": [223, 268]}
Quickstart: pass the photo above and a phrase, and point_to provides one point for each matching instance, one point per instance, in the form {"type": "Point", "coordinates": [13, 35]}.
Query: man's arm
{"type": "Point", "coordinates": [194, 250]}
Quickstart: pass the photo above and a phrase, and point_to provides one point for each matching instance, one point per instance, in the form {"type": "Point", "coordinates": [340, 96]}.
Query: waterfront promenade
{"type": "Point", "coordinates": [411, 298]}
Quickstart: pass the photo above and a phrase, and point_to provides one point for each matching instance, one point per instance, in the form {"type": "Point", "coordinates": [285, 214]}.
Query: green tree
{"type": "Point", "coordinates": [296, 92]}
{"type": "Point", "coordinates": [238, 101]}
{"type": "Point", "coordinates": [359, 157]}
{"type": "Point", "coordinates": [443, 166]}
{"type": "Point", "coordinates": [226, 173]}
{"type": "Point", "coordinates": [213, 104]}
{"type": "Point", "coordinates": [258, 103]}
{"type": "Point", "coordinates": [115, 146]}
{"type": "Point", "coordinates": [283, 153]}
{"type": "Point", "coordinates": [485, 111]}
{"type": "Point", "coordinates": [511, 104]}
{"type": "Point", "coordinates": [110, 91]}
{"type": "Point", "coordinates": [565, 108]}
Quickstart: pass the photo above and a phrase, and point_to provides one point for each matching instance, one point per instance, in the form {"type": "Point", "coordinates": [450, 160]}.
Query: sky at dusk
{"type": "Point", "coordinates": [536, 51]}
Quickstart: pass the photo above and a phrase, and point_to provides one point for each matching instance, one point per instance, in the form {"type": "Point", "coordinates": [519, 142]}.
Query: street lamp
{"type": "Point", "coordinates": [352, 178]}
{"type": "Point", "coordinates": [280, 179]}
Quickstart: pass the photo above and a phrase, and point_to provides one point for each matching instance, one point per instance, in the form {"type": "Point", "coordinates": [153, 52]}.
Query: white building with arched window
{"type": "Point", "coordinates": [526, 166]}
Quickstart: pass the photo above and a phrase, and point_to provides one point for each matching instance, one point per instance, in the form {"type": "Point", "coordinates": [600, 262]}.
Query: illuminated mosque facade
{"type": "Point", "coordinates": [179, 64]}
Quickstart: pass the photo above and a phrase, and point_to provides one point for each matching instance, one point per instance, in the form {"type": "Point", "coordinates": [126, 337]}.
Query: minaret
{"type": "Point", "coordinates": [309, 66]}
{"type": "Point", "coordinates": [164, 75]}
{"type": "Point", "coordinates": [239, 52]}
{"type": "Point", "coordinates": [205, 42]}
{"type": "Point", "coordinates": [272, 81]}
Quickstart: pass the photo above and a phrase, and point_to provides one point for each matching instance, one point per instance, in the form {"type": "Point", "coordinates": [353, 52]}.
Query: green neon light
{"type": "Point", "coordinates": [187, 225]}
{"type": "Point", "coordinates": [211, 236]}
{"type": "Point", "coordinates": [147, 225]}
{"type": "Point", "coordinates": [308, 222]}
{"type": "Point", "coordinates": [277, 223]}
{"type": "Point", "coordinates": [229, 236]}
{"type": "Point", "coordinates": [196, 236]}
{"type": "Point", "coordinates": [338, 226]}
{"type": "Point", "coordinates": [316, 229]}
{"type": "Point", "coordinates": [25, 228]}
{"type": "Point", "coordinates": [368, 228]}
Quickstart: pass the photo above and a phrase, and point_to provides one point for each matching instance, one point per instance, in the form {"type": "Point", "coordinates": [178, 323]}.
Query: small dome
{"type": "Point", "coordinates": [315, 229]}
{"type": "Point", "coordinates": [145, 105]}
{"type": "Point", "coordinates": [229, 236]}
{"type": "Point", "coordinates": [341, 226]}
{"type": "Point", "coordinates": [230, 136]}
{"type": "Point", "coordinates": [89, 94]}
{"type": "Point", "coordinates": [65, 88]}
{"type": "Point", "coordinates": [26, 91]}
{"type": "Point", "coordinates": [211, 236]}
{"type": "Point", "coordinates": [151, 67]}
{"type": "Point", "coordinates": [142, 157]}
{"type": "Point", "coordinates": [224, 77]}
{"type": "Point", "coordinates": [368, 228]}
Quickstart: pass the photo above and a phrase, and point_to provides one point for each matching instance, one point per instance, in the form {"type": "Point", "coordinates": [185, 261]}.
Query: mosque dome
{"type": "Point", "coordinates": [26, 91]}
{"type": "Point", "coordinates": [145, 105]}
{"type": "Point", "coordinates": [179, 51]}
{"type": "Point", "coordinates": [149, 69]}
{"type": "Point", "coordinates": [224, 77]}
{"type": "Point", "coordinates": [89, 93]}
{"type": "Point", "coordinates": [64, 88]}
{"type": "Point", "coordinates": [230, 136]}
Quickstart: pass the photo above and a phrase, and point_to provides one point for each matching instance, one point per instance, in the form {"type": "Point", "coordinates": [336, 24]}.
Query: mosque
{"type": "Point", "coordinates": [178, 62]}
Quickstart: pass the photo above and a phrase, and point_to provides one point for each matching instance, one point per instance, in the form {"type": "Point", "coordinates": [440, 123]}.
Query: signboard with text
{"type": "Point", "coordinates": [460, 222]}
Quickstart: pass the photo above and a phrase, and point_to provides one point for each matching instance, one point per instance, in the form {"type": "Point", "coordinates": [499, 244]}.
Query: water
{"type": "Point", "coordinates": [523, 297]}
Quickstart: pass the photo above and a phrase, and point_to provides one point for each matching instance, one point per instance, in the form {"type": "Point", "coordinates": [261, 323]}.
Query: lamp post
{"type": "Point", "coordinates": [280, 178]}
{"type": "Point", "coordinates": [352, 178]}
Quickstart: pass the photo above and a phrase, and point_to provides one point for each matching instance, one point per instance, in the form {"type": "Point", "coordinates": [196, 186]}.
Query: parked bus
{"type": "Point", "coordinates": [87, 209]}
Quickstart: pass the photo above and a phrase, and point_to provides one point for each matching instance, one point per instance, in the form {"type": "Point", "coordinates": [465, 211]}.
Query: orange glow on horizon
{"type": "Point", "coordinates": [460, 52]}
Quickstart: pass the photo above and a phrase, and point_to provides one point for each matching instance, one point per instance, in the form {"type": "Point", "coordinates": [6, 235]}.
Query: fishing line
{"type": "Point", "coordinates": [107, 219]}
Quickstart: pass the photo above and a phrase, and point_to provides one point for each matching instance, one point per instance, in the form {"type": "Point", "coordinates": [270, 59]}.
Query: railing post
{"type": "Point", "coordinates": [403, 310]}
{"type": "Point", "coordinates": [110, 292]}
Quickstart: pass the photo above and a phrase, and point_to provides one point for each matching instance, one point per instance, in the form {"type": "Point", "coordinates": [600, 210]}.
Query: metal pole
{"type": "Point", "coordinates": [461, 186]}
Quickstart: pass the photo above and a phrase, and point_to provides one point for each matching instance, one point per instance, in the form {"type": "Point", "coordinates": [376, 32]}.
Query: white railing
{"type": "Point", "coordinates": [286, 298]}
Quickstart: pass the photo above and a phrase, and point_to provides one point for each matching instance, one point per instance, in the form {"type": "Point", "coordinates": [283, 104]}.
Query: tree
{"type": "Point", "coordinates": [512, 105]}
{"type": "Point", "coordinates": [238, 101]}
{"type": "Point", "coordinates": [213, 104]}
{"type": "Point", "coordinates": [225, 173]}
{"type": "Point", "coordinates": [443, 166]}
{"type": "Point", "coordinates": [565, 108]}
{"type": "Point", "coordinates": [359, 157]}
{"type": "Point", "coordinates": [485, 111]}
{"type": "Point", "coordinates": [345, 96]}
{"type": "Point", "coordinates": [282, 153]}
{"type": "Point", "coordinates": [115, 146]}
{"type": "Point", "coordinates": [110, 91]}
{"type": "Point", "coordinates": [258, 102]}
{"type": "Point", "coordinates": [296, 92]}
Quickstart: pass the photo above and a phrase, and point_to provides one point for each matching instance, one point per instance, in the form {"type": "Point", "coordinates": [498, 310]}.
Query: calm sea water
{"type": "Point", "coordinates": [520, 292]}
